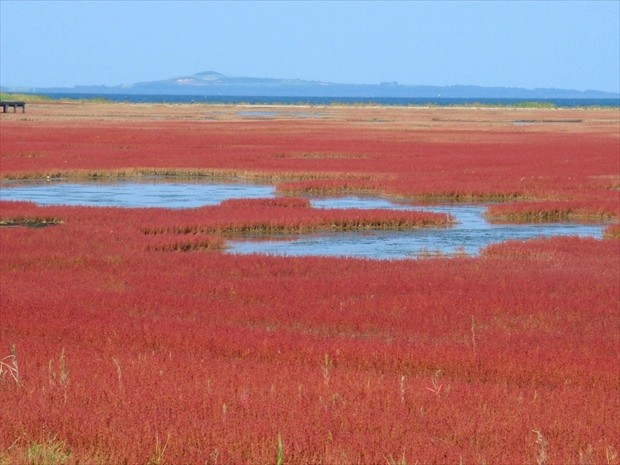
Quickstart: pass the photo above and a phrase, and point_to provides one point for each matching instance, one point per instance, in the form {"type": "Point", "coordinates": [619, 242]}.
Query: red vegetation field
{"type": "Point", "coordinates": [126, 336]}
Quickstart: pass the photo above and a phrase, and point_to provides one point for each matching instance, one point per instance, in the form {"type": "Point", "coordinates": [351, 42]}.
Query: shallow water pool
{"type": "Point", "coordinates": [469, 235]}
{"type": "Point", "coordinates": [128, 194]}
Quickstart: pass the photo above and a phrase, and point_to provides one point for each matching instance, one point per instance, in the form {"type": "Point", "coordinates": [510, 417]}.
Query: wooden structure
{"type": "Point", "coordinates": [14, 104]}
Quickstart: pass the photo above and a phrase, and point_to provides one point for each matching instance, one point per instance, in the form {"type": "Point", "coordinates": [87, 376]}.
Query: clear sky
{"type": "Point", "coordinates": [561, 44]}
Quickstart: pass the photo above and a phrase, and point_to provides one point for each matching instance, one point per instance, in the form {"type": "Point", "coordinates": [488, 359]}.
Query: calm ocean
{"type": "Point", "coordinates": [392, 101]}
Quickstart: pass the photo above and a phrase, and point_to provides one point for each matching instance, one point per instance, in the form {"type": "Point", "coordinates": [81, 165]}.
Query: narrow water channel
{"type": "Point", "coordinates": [469, 235]}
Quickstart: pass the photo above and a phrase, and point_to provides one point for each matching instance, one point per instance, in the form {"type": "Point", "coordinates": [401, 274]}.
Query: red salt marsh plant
{"type": "Point", "coordinates": [595, 209]}
{"type": "Point", "coordinates": [205, 228]}
{"type": "Point", "coordinates": [138, 356]}
{"type": "Point", "coordinates": [423, 158]}
{"type": "Point", "coordinates": [269, 216]}
{"type": "Point", "coordinates": [124, 354]}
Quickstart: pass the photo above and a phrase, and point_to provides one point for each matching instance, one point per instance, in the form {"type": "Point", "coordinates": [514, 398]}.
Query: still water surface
{"type": "Point", "coordinates": [129, 194]}
{"type": "Point", "coordinates": [469, 235]}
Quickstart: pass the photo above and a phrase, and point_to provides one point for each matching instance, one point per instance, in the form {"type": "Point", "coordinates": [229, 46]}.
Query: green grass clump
{"type": "Point", "coordinates": [38, 98]}
{"type": "Point", "coordinates": [51, 452]}
{"type": "Point", "coordinates": [24, 97]}
{"type": "Point", "coordinates": [280, 451]}
{"type": "Point", "coordinates": [535, 104]}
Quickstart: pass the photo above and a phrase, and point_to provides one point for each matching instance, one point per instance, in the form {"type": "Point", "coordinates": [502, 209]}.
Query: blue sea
{"type": "Point", "coordinates": [390, 101]}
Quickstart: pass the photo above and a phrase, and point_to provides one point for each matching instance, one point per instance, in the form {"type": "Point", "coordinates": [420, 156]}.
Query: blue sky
{"type": "Point", "coordinates": [562, 44]}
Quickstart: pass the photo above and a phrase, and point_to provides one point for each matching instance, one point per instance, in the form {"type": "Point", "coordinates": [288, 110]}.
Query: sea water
{"type": "Point", "coordinates": [330, 100]}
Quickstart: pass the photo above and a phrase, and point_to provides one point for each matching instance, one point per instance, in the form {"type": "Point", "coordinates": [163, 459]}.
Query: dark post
{"type": "Point", "coordinates": [14, 105]}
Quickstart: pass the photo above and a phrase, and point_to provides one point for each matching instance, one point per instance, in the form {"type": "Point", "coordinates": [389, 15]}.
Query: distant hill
{"type": "Point", "coordinates": [210, 83]}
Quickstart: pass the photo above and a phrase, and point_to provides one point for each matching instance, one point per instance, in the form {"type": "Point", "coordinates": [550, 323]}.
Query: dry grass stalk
{"type": "Point", "coordinates": [9, 367]}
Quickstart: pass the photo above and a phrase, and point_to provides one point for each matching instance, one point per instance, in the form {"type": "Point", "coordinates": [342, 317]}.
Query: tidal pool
{"type": "Point", "coordinates": [469, 235]}
{"type": "Point", "coordinates": [257, 114]}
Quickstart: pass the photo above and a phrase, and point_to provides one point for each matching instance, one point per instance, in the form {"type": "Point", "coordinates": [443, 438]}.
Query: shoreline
{"type": "Point", "coordinates": [313, 101]}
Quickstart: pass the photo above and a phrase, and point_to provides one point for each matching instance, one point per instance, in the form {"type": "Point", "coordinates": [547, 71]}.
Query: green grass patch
{"type": "Point", "coordinates": [29, 98]}
{"type": "Point", "coordinates": [534, 104]}
{"type": "Point", "coordinates": [51, 452]}
{"type": "Point", "coordinates": [39, 98]}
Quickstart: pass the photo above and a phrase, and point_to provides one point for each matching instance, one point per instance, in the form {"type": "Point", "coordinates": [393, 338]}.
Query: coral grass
{"type": "Point", "coordinates": [117, 349]}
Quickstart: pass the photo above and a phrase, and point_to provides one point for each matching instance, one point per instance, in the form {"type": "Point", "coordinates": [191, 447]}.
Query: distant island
{"type": "Point", "coordinates": [211, 83]}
